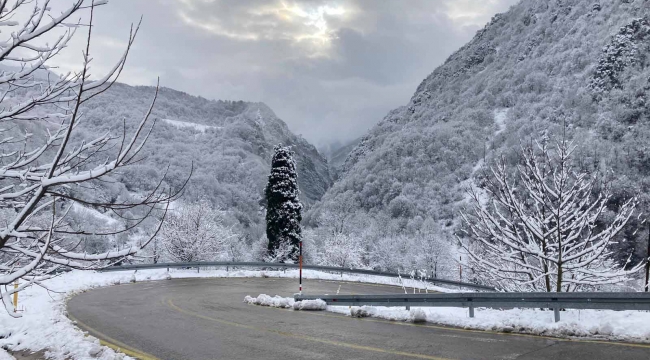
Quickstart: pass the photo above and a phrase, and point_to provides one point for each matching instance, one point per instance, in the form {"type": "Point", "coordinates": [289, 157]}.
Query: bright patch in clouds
{"type": "Point", "coordinates": [475, 13]}
{"type": "Point", "coordinates": [315, 17]}
{"type": "Point", "coordinates": [330, 68]}
{"type": "Point", "coordinates": [285, 21]}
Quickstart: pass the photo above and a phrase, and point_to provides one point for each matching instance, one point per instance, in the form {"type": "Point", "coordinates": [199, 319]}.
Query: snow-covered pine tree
{"type": "Point", "coordinates": [284, 210]}
{"type": "Point", "coordinates": [547, 229]}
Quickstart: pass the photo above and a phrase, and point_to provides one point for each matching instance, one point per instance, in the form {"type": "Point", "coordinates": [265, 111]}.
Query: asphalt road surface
{"type": "Point", "coordinates": [206, 319]}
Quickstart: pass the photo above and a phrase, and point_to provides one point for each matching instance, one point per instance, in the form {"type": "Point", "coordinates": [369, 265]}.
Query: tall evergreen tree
{"type": "Point", "coordinates": [284, 210]}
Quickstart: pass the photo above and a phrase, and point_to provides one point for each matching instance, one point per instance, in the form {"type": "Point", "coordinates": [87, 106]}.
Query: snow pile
{"type": "Point", "coordinates": [317, 304]}
{"type": "Point", "coordinates": [285, 302]}
{"type": "Point", "coordinates": [266, 300]}
{"type": "Point", "coordinates": [356, 311]}
{"type": "Point", "coordinates": [417, 315]}
{"type": "Point", "coordinates": [633, 326]}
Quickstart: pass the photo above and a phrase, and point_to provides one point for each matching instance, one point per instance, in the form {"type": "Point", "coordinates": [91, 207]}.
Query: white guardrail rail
{"type": "Point", "coordinates": [555, 301]}
{"type": "Point", "coordinates": [264, 265]}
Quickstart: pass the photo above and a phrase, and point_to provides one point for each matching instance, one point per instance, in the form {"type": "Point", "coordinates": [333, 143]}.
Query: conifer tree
{"type": "Point", "coordinates": [284, 210]}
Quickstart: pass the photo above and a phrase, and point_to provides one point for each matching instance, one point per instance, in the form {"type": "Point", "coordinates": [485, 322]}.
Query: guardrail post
{"type": "Point", "coordinates": [556, 312]}
{"type": "Point", "coordinates": [16, 296]}
{"type": "Point", "coordinates": [471, 311]}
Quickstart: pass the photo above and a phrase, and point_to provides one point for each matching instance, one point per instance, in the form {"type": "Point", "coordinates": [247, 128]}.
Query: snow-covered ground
{"type": "Point", "coordinates": [500, 116]}
{"type": "Point", "coordinates": [5, 355]}
{"type": "Point", "coordinates": [184, 124]}
{"type": "Point", "coordinates": [45, 326]}
{"type": "Point", "coordinates": [629, 326]}
{"type": "Point", "coordinates": [94, 213]}
{"type": "Point", "coordinates": [632, 326]}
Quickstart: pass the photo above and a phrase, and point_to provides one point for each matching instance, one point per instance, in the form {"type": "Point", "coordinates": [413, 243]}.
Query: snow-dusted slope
{"type": "Point", "coordinates": [185, 124]}
{"type": "Point", "coordinates": [585, 63]}
{"type": "Point", "coordinates": [228, 143]}
{"type": "Point", "coordinates": [337, 157]}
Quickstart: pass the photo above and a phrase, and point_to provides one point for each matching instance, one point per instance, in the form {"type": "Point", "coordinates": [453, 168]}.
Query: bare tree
{"type": "Point", "coordinates": [196, 232]}
{"type": "Point", "coordinates": [431, 249]}
{"type": "Point", "coordinates": [546, 229]}
{"type": "Point", "coordinates": [40, 182]}
{"type": "Point", "coordinates": [341, 250]}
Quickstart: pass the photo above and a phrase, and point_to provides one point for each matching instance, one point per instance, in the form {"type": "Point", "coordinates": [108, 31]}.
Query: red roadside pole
{"type": "Point", "coordinates": [647, 264]}
{"type": "Point", "coordinates": [300, 260]}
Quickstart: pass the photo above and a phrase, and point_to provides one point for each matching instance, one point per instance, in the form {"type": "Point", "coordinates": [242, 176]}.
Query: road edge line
{"type": "Point", "coordinates": [107, 341]}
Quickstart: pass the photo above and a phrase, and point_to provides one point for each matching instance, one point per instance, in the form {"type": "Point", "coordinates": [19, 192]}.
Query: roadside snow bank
{"type": "Point", "coordinates": [266, 300]}
{"type": "Point", "coordinates": [631, 326]}
{"type": "Point", "coordinates": [285, 302]}
{"type": "Point", "coordinates": [44, 324]}
{"type": "Point", "coordinates": [317, 304]}
{"type": "Point", "coordinates": [5, 355]}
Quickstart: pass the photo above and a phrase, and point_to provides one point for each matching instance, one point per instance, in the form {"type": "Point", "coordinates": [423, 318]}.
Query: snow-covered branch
{"type": "Point", "coordinates": [41, 182]}
{"type": "Point", "coordinates": [544, 230]}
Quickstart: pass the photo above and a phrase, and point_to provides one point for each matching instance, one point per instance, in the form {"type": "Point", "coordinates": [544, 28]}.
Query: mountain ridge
{"type": "Point", "coordinates": [228, 144]}
{"type": "Point", "coordinates": [538, 61]}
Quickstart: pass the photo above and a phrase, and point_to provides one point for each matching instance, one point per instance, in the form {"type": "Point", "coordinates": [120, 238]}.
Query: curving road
{"type": "Point", "coordinates": [206, 319]}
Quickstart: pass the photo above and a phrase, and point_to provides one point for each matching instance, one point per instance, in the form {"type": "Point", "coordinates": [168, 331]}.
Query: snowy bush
{"type": "Point", "coordinates": [341, 250]}
{"type": "Point", "coordinates": [196, 232]}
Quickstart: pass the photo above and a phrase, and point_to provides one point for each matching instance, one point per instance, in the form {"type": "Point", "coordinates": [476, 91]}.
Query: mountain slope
{"type": "Point", "coordinates": [230, 144]}
{"type": "Point", "coordinates": [542, 64]}
{"type": "Point", "coordinates": [336, 155]}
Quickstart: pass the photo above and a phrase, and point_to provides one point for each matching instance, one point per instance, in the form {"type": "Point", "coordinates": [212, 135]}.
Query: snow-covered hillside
{"type": "Point", "coordinates": [585, 63]}
{"type": "Point", "coordinates": [185, 124]}
{"type": "Point", "coordinates": [229, 144]}
{"type": "Point", "coordinates": [226, 145]}
{"type": "Point", "coordinates": [336, 158]}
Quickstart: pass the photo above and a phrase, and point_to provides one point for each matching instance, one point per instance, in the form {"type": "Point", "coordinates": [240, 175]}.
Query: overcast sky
{"type": "Point", "coordinates": [329, 69]}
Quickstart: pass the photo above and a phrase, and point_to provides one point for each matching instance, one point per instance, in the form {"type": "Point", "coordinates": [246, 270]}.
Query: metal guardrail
{"type": "Point", "coordinates": [228, 264]}
{"type": "Point", "coordinates": [555, 301]}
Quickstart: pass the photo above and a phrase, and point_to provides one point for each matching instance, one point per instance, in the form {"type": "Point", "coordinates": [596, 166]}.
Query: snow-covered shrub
{"type": "Point", "coordinates": [341, 250]}
{"type": "Point", "coordinates": [196, 232]}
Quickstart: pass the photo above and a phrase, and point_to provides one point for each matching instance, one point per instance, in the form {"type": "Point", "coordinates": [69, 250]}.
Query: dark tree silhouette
{"type": "Point", "coordinates": [284, 210]}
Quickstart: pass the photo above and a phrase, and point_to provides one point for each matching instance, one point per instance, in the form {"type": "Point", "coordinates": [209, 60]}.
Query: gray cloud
{"type": "Point", "coordinates": [330, 69]}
